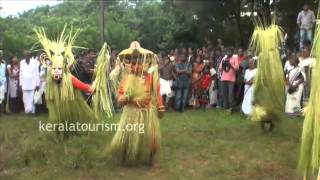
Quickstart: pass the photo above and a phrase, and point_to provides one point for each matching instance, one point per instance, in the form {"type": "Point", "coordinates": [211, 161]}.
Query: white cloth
{"type": "Point", "coordinates": [42, 87]}
{"type": "Point", "coordinates": [287, 67]}
{"type": "Point", "coordinates": [29, 74]}
{"type": "Point", "coordinates": [307, 63]}
{"type": "Point", "coordinates": [213, 93]}
{"type": "Point", "coordinates": [2, 92]}
{"type": "Point", "coordinates": [28, 98]}
{"type": "Point", "coordinates": [248, 92]}
{"type": "Point", "coordinates": [165, 87]}
{"type": "Point", "coordinates": [293, 100]}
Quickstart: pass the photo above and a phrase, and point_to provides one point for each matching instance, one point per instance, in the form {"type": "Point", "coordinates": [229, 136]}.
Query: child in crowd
{"type": "Point", "coordinates": [204, 87]}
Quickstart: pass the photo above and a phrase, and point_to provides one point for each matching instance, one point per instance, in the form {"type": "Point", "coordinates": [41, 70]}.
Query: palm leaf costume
{"type": "Point", "coordinates": [141, 87]}
{"type": "Point", "coordinates": [269, 88]}
{"type": "Point", "coordinates": [64, 102]}
{"type": "Point", "coordinates": [309, 163]}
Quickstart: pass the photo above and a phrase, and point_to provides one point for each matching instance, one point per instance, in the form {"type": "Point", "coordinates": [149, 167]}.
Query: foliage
{"type": "Point", "coordinates": [157, 24]}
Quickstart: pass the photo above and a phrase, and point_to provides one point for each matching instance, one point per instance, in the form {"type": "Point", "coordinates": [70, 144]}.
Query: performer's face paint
{"type": "Point", "coordinates": [57, 67]}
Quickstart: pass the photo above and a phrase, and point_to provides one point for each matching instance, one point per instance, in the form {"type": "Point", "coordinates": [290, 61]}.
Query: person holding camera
{"type": "Point", "coordinates": [228, 68]}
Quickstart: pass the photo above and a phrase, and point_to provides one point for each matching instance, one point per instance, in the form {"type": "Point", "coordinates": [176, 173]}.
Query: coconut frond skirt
{"type": "Point", "coordinates": [137, 136]}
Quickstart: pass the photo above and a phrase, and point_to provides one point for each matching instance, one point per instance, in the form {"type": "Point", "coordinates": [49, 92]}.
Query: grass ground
{"type": "Point", "coordinates": [195, 145]}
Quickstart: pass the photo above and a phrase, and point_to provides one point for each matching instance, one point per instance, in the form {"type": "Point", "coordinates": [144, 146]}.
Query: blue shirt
{"type": "Point", "coordinates": [184, 66]}
{"type": "Point", "coordinates": [3, 78]}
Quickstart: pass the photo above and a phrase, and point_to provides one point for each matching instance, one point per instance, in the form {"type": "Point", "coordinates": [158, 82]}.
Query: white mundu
{"type": "Point", "coordinates": [29, 80]}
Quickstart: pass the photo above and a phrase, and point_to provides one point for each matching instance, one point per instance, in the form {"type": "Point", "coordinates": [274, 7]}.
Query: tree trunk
{"type": "Point", "coordinates": [267, 11]}
{"type": "Point", "coordinates": [238, 21]}
{"type": "Point", "coordinates": [252, 8]}
{"type": "Point", "coordinates": [101, 21]}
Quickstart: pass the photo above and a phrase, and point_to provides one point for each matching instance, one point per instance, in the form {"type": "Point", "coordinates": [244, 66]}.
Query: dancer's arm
{"type": "Point", "coordinates": [81, 86]}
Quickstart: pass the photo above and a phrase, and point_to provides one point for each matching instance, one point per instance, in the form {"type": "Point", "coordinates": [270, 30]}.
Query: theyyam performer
{"type": "Point", "coordinates": [139, 94]}
{"type": "Point", "coordinates": [64, 100]}
{"type": "Point", "coordinates": [269, 88]}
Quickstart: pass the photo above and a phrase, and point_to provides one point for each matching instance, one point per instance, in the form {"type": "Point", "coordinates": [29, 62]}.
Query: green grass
{"type": "Point", "coordinates": [195, 145]}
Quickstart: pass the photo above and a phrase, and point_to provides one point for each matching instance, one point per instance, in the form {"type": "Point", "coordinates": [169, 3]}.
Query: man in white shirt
{"type": "Point", "coordinates": [306, 20]}
{"type": "Point", "coordinates": [29, 81]}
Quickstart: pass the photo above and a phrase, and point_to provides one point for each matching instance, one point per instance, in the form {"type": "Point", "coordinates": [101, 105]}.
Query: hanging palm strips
{"type": "Point", "coordinates": [102, 98]}
{"type": "Point", "coordinates": [309, 162]}
{"type": "Point", "coordinates": [65, 104]}
{"type": "Point", "coordinates": [269, 88]}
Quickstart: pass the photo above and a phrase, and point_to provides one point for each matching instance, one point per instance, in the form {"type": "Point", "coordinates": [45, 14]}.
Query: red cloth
{"type": "Point", "coordinates": [206, 81]}
{"type": "Point", "coordinates": [80, 85]}
{"type": "Point", "coordinates": [240, 59]}
{"type": "Point", "coordinates": [148, 88]}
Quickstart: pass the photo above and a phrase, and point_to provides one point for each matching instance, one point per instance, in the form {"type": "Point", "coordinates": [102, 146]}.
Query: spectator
{"type": "Point", "coordinates": [213, 95]}
{"type": "Point", "coordinates": [203, 95]}
{"type": "Point", "coordinates": [200, 53]}
{"type": "Point", "coordinates": [29, 81]}
{"type": "Point", "coordinates": [241, 55]}
{"type": "Point", "coordinates": [206, 58]}
{"type": "Point", "coordinates": [306, 20]}
{"type": "Point", "coordinates": [287, 65]}
{"type": "Point", "coordinates": [248, 89]}
{"type": "Point", "coordinates": [87, 64]}
{"type": "Point", "coordinates": [220, 44]}
{"type": "Point", "coordinates": [306, 63]}
{"type": "Point", "coordinates": [184, 51]}
{"type": "Point", "coordinates": [228, 66]}
{"type": "Point", "coordinates": [183, 70]}
{"type": "Point", "coordinates": [3, 82]}
{"type": "Point", "coordinates": [239, 86]}
{"type": "Point", "coordinates": [13, 70]}
{"type": "Point", "coordinates": [190, 55]}
{"type": "Point", "coordinates": [39, 95]}
{"type": "Point", "coordinates": [295, 79]}
{"type": "Point", "coordinates": [166, 68]}
{"type": "Point", "coordinates": [219, 55]}
{"type": "Point", "coordinates": [197, 69]}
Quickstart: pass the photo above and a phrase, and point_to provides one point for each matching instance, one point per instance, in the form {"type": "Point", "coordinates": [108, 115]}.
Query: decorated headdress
{"type": "Point", "coordinates": [133, 58]}
{"type": "Point", "coordinates": [58, 53]}
{"type": "Point", "coordinates": [143, 57]}
{"type": "Point", "coordinates": [63, 101]}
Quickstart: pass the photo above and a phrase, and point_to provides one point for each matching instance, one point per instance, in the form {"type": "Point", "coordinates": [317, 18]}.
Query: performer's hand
{"type": "Point", "coordinates": [160, 114]}
{"type": "Point", "coordinates": [92, 90]}
{"type": "Point", "coordinates": [123, 100]}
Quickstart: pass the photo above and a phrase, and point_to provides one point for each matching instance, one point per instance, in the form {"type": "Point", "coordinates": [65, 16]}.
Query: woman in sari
{"type": "Point", "coordinates": [13, 70]}
{"type": "Point", "coordinates": [295, 78]}
{"type": "Point", "coordinates": [248, 88]}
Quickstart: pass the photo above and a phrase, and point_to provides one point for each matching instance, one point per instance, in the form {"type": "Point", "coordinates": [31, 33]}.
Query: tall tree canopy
{"type": "Point", "coordinates": [156, 24]}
